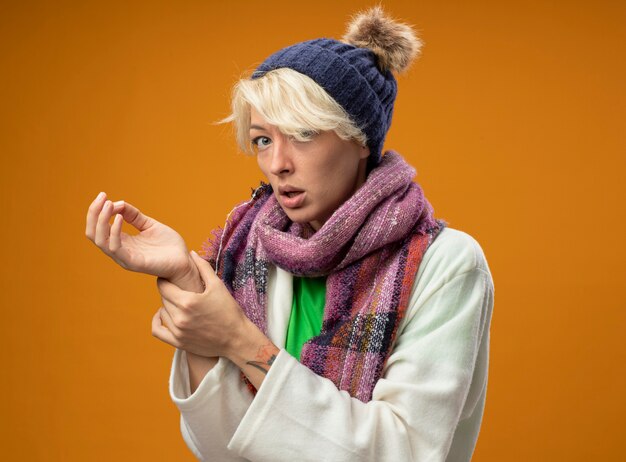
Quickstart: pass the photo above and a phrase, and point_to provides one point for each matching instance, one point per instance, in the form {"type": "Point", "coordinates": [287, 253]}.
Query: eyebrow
{"type": "Point", "coordinates": [258, 127]}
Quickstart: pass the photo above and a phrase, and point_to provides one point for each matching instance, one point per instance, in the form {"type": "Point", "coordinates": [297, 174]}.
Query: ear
{"type": "Point", "coordinates": [364, 152]}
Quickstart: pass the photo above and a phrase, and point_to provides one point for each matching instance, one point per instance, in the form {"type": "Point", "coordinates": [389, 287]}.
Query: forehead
{"type": "Point", "coordinates": [258, 122]}
{"type": "Point", "coordinates": [255, 117]}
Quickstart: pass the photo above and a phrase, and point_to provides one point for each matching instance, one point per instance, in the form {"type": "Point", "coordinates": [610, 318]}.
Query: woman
{"type": "Point", "coordinates": [342, 321]}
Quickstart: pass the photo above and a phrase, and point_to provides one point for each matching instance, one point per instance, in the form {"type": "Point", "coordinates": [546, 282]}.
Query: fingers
{"type": "Point", "coordinates": [168, 321]}
{"type": "Point", "coordinates": [174, 294]}
{"type": "Point", "coordinates": [98, 215]}
{"type": "Point", "coordinates": [207, 273]}
{"type": "Point", "coordinates": [103, 229]}
{"type": "Point", "coordinates": [92, 215]}
{"type": "Point", "coordinates": [133, 216]}
{"type": "Point", "coordinates": [115, 240]}
{"type": "Point", "coordinates": [162, 332]}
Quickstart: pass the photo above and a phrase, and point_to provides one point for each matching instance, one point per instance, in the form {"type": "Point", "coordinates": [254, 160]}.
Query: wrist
{"type": "Point", "coordinates": [188, 278]}
{"type": "Point", "coordinates": [253, 353]}
{"type": "Point", "coordinates": [242, 339]}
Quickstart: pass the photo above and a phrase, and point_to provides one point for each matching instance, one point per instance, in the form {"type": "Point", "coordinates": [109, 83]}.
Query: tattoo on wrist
{"type": "Point", "coordinates": [264, 359]}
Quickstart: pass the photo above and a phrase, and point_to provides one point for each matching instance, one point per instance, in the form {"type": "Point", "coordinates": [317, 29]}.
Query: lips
{"type": "Point", "coordinates": [291, 197]}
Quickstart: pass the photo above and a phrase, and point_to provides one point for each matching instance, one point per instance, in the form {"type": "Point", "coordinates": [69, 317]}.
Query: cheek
{"type": "Point", "coordinates": [346, 167]}
{"type": "Point", "coordinates": [261, 162]}
{"type": "Point", "coordinates": [337, 179]}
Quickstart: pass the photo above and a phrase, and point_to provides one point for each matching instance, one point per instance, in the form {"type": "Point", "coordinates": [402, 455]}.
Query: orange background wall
{"type": "Point", "coordinates": [514, 118]}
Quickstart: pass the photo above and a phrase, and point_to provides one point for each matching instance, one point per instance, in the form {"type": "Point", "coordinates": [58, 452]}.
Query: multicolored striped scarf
{"type": "Point", "coordinates": [370, 250]}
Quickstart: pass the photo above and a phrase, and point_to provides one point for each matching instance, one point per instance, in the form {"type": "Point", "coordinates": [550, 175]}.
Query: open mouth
{"type": "Point", "coordinates": [291, 197]}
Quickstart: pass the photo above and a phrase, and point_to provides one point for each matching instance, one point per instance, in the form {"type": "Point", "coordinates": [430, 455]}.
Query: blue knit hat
{"type": "Point", "coordinates": [357, 74]}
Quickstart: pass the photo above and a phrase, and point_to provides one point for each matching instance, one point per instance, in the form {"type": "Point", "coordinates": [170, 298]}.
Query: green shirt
{"type": "Point", "coordinates": [307, 312]}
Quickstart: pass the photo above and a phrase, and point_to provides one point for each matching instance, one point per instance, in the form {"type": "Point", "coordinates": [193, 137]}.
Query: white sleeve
{"type": "Point", "coordinates": [209, 416]}
{"type": "Point", "coordinates": [427, 405]}
{"type": "Point", "coordinates": [433, 384]}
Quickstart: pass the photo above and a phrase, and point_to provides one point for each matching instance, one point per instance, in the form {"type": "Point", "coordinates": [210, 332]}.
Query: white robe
{"type": "Point", "coordinates": [427, 406]}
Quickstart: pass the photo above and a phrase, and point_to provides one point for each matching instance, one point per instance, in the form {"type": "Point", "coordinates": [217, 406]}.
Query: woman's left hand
{"type": "Point", "coordinates": [212, 324]}
{"type": "Point", "coordinates": [207, 324]}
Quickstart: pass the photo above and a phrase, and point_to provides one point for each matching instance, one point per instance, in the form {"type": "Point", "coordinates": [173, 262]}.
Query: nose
{"type": "Point", "coordinates": [281, 161]}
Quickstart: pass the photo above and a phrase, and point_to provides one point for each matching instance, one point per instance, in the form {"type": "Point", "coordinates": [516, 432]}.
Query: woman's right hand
{"type": "Point", "coordinates": [157, 249]}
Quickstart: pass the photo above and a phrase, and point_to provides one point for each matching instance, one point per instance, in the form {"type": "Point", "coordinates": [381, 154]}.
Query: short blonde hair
{"type": "Point", "coordinates": [291, 101]}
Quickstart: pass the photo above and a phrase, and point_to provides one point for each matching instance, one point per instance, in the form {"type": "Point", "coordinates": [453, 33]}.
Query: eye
{"type": "Point", "coordinates": [261, 142]}
{"type": "Point", "coordinates": [307, 134]}
{"type": "Point", "coordinates": [304, 136]}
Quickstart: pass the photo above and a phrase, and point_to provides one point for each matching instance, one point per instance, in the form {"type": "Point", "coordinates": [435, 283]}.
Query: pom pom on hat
{"type": "Point", "coordinates": [394, 43]}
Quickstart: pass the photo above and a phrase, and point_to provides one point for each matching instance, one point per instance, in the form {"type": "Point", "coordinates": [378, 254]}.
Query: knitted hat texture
{"type": "Point", "coordinates": [354, 75]}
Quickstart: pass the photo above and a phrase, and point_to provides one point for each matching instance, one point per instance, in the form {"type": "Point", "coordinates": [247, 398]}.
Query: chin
{"type": "Point", "coordinates": [296, 216]}
{"type": "Point", "coordinates": [299, 215]}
